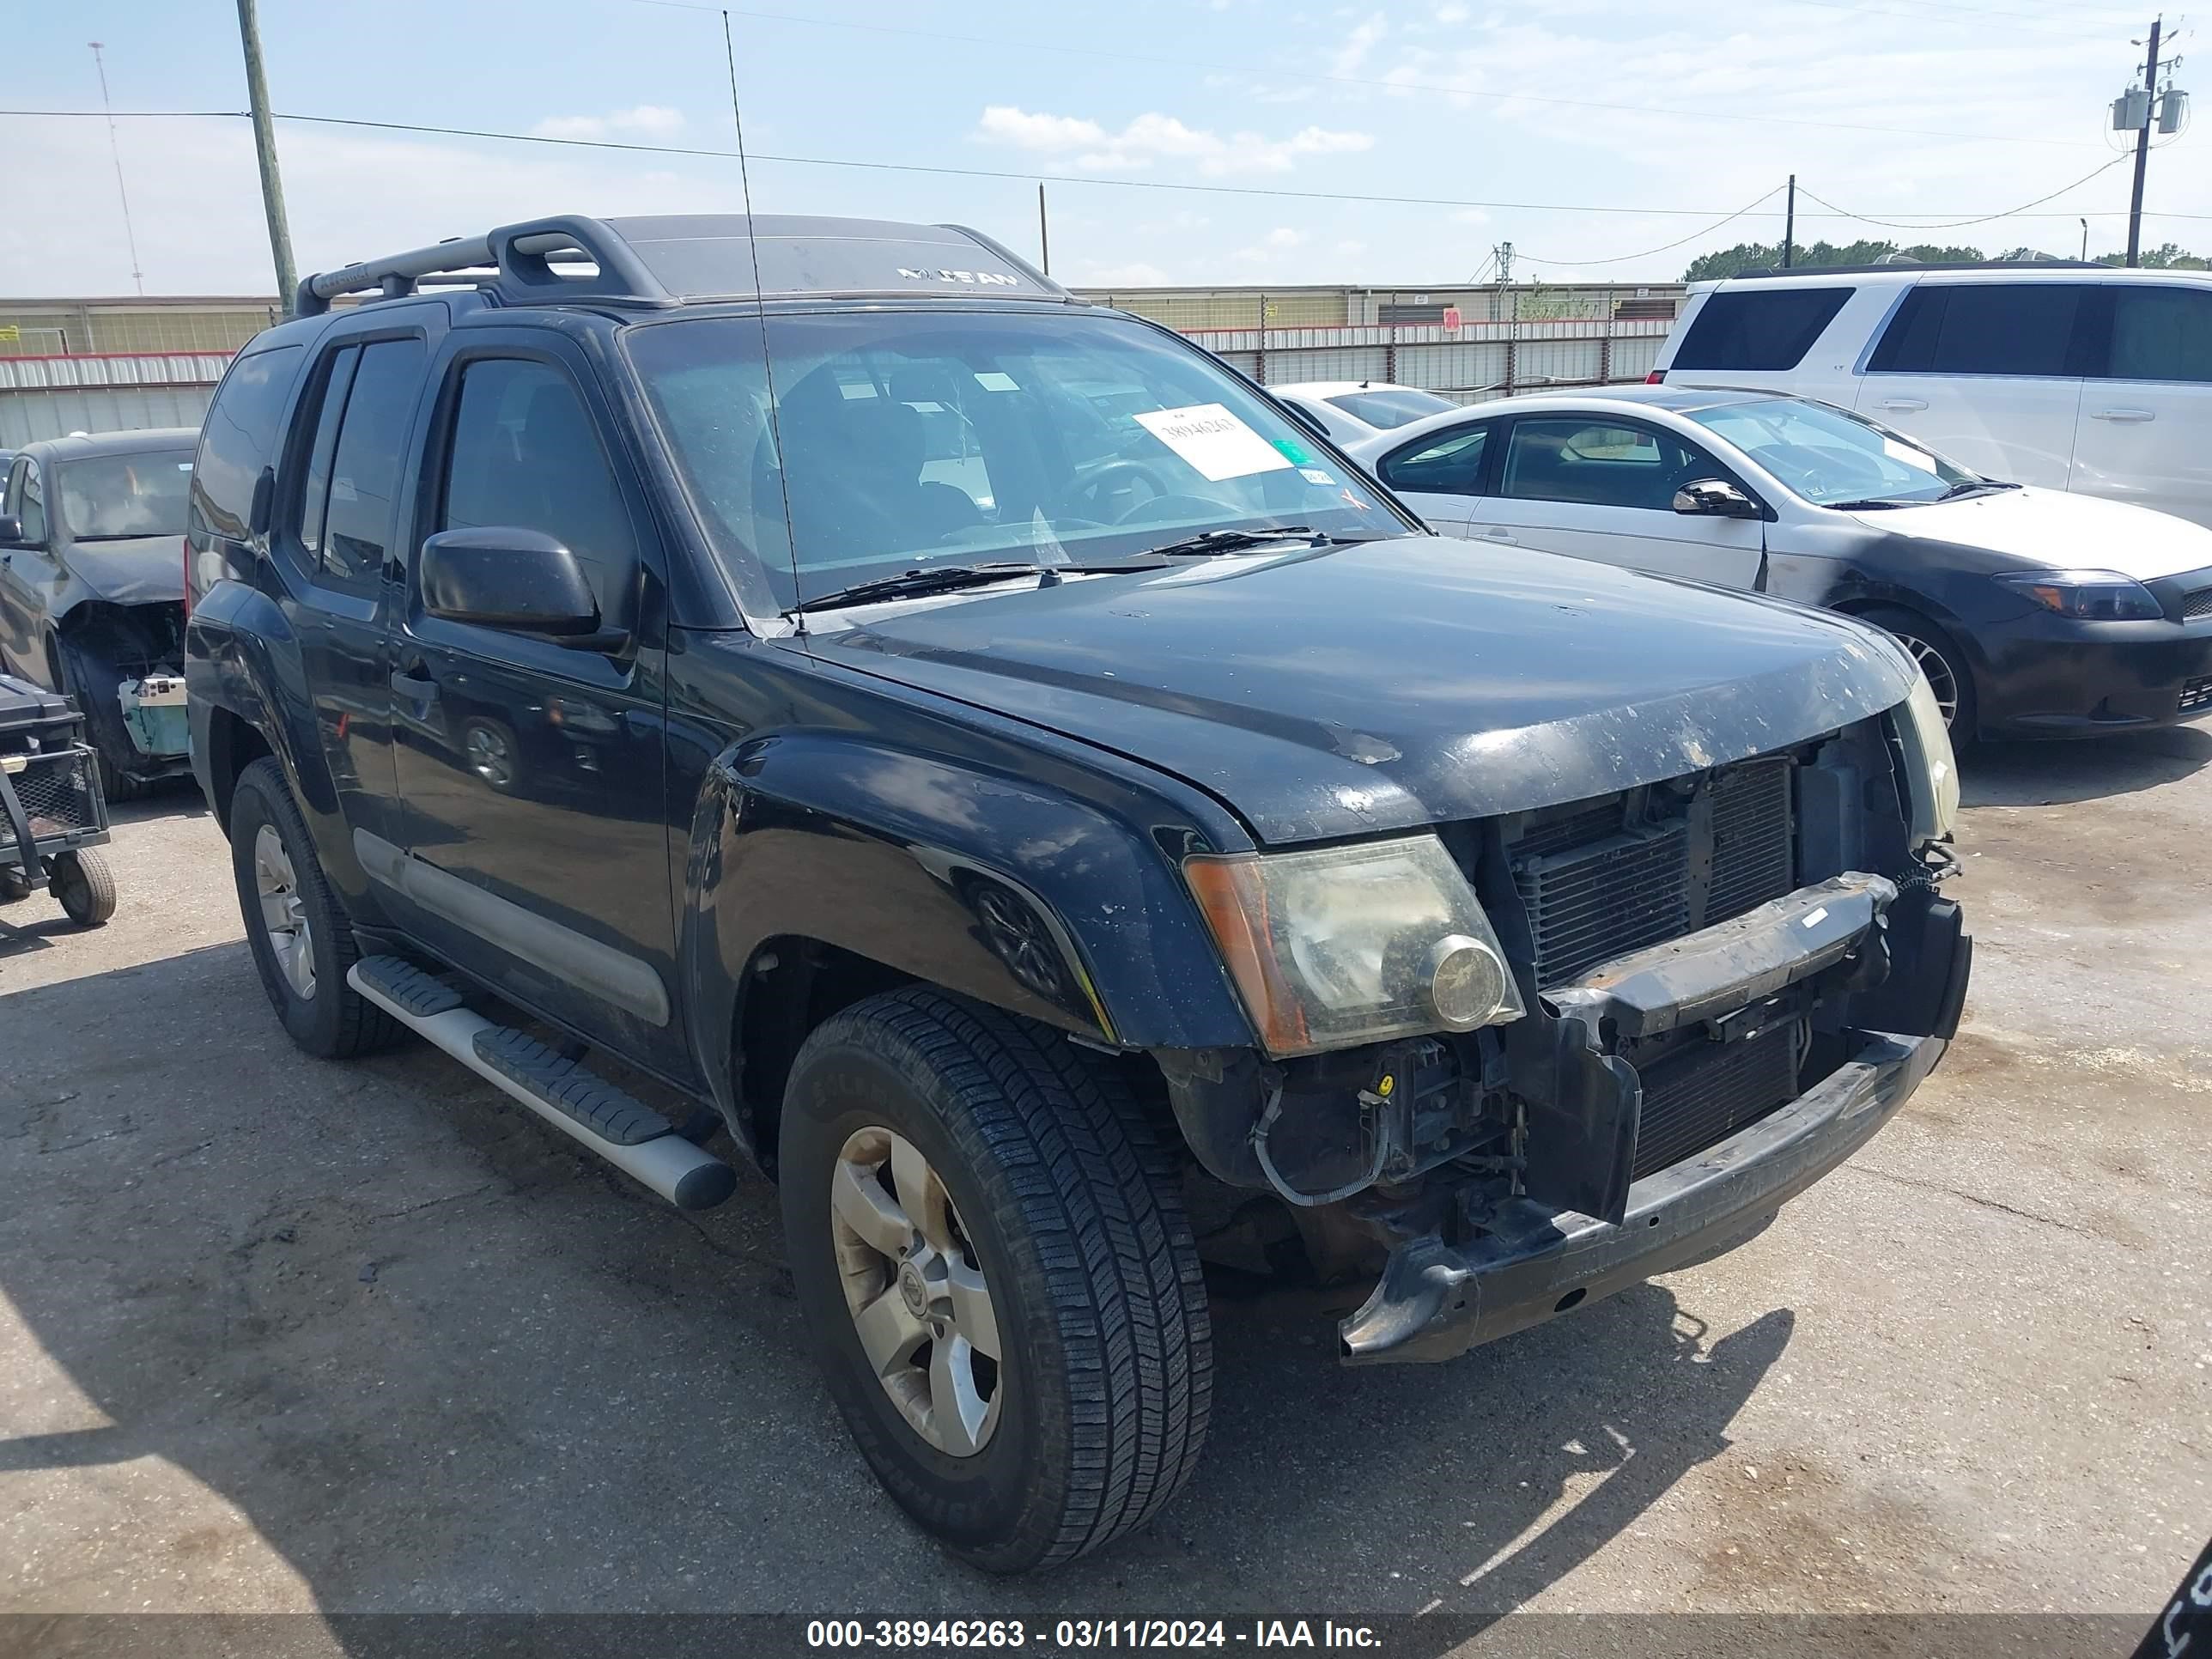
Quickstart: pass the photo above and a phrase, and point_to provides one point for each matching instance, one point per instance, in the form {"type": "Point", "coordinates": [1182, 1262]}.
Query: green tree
{"type": "Point", "coordinates": [1767, 255]}
{"type": "Point", "coordinates": [2167, 258]}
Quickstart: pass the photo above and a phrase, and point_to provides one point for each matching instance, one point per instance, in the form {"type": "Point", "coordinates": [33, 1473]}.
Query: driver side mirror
{"type": "Point", "coordinates": [517, 581]}
{"type": "Point", "coordinates": [1715, 498]}
{"type": "Point", "coordinates": [11, 530]}
{"type": "Point", "coordinates": [1304, 417]}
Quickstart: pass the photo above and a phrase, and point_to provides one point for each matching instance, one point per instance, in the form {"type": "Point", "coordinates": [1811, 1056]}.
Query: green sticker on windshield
{"type": "Point", "coordinates": [1291, 452]}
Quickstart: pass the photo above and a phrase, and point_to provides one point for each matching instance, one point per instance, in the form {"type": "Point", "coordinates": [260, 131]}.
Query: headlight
{"type": "Point", "coordinates": [2088, 595]}
{"type": "Point", "coordinates": [1931, 769]}
{"type": "Point", "coordinates": [1349, 944]}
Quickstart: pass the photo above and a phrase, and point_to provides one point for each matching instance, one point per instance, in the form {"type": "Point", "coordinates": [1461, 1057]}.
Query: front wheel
{"type": "Point", "coordinates": [1949, 676]}
{"type": "Point", "coordinates": [301, 941]}
{"type": "Point", "coordinates": [987, 1238]}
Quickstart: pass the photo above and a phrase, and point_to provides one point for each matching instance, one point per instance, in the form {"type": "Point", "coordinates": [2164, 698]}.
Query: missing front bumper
{"type": "Point", "coordinates": [1436, 1300]}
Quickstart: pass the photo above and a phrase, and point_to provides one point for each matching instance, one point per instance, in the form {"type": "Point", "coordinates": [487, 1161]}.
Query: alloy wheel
{"type": "Point", "coordinates": [915, 1288]}
{"type": "Point", "coordinates": [284, 913]}
{"type": "Point", "coordinates": [1941, 679]}
{"type": "Point", "coordinates": [489, 758]}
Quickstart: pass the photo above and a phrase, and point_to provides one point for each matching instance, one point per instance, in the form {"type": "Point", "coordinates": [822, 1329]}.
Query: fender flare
{"type": "Point", "coordinates": [990, 885]}
{"type": "Point", "coordinates": [241, 657]}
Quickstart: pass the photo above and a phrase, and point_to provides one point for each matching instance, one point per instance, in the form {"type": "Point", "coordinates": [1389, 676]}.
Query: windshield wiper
{"type": "Point", "coordinates": [948, 578]}
{"type": "Point", "coordinates": [1971, 486]}
{"type": "Point", "coordinates": [1228, 541]}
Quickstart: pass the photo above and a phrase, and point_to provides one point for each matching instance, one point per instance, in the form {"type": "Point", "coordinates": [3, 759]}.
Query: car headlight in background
{"type": "Point", "coordinates": [1343, 946]}
{"type": "Point", "coordinates": [1931, 769]}
{"type": "Point", "coordinates": [2088, 595]}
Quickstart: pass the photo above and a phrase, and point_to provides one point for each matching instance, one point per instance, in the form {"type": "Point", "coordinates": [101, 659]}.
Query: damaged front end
{"type": "Point", "coordinates": [1727, 982]}
{"type": "Point", "coordinates": [125, 662]}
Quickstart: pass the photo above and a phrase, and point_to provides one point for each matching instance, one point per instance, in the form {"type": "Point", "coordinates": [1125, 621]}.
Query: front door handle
{"type": "Point", "coordinates": [2123, 415]}
{"type": "Point", "coordinates": [410, 682]}
{"type": "Point", "coordinates": [1903, 403]}
{"type": "Point", "coordinates": [1495, 535]}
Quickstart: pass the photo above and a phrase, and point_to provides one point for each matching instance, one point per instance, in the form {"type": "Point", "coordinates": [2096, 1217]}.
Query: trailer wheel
{"type": "Point", "coordinates": [85, 886]}
{"type": "Point", "coordinates": [987, 1240]}
{"type": "Point", "coordinates": [301, 939]}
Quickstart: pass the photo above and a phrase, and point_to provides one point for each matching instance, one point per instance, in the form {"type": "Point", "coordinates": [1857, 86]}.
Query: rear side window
{"type": "Point", "coordinates": [1984, 328]}
{"type": "Point", "coordinates": [524, 453]}
{"type": "Point", "coordinates": [1447, 463]}
{"type": "Point", "coordinates": [2162, 334]}
{"type": "Point", "coordinates": [238, 439]}
{"type": "Point", "coordinates": [1761, 329]}
{"type": "Point", "coordinates": [363, 469]}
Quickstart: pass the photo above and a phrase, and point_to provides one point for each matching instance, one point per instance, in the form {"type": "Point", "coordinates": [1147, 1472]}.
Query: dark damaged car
{"type": "Point", "coordinates": [1025, 791]}
{"type": "Point", "coordinates": [92, 590]}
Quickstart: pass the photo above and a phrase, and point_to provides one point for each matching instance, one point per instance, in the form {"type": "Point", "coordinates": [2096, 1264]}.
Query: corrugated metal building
{"type": "Point", "coordinates": [116, 365]}
{"type": "Point", "coordinates": [1471, 344]}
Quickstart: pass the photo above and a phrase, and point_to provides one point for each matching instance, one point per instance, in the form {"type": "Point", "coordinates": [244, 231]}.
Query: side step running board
{"type": "Point", "coordinates": [619, 1128]}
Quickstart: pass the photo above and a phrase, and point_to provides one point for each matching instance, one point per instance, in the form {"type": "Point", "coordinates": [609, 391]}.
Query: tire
{"type": "Point", "coordinates": [84, 886]}
{"type": "Point", "coordinates": [1939, 656]}
{"type": "Point", "coordinates": [306, 980]}
{"type": "Point", "coordinates": [1064, 1206]}
{"type": "Point", "coordinates": [103, 725]}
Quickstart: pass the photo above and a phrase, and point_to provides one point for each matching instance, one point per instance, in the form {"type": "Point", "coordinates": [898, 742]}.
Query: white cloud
{"type": "Point", "coordinates": [644, 122]}
{"type": "Point", "coordinates": [1154, 137]}
{"type": "Point", "coordinates": [1270, 247]}
{"type": "Point", "coordinates": [1450, 14]}
{"type": "Point", "coordinates": [1470, 216]}
{"type": "Point", "coordinates": [1351, 57]}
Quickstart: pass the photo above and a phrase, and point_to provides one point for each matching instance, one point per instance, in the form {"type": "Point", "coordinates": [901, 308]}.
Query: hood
{"type": "Point", "coordinates": [2057, 529]}
{"type": "Point", "coordinates": [1345, 691]}
{"type": "Point", "coordinates": [141, 570]}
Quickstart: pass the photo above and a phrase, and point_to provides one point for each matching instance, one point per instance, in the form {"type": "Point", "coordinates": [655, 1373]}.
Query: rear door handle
{"type": "Point", "coordinates": [408, 681]}
{"type": "Point", "coordinates": [1902, 403]}
{"type": "Point", "coordinates": [2124, 415]}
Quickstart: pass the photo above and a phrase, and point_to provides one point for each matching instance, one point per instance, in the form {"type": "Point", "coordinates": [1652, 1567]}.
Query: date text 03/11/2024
{"type": "Point", "coordinates": [1085, 1633]}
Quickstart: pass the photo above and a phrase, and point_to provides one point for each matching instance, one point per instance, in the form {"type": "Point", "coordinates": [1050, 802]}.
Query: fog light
{"type": "Point", "coordinates": [1468, 986]}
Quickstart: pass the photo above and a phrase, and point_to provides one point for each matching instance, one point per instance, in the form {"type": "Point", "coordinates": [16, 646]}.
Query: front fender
{"type": "Point", "coordinates": [242, 657]}
{"type": "Point", "coordinates": [993, 886]}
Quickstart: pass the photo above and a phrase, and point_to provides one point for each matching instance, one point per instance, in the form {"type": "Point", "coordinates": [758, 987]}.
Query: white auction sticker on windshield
{"type": "Point", "coordinates": [1215, 442]}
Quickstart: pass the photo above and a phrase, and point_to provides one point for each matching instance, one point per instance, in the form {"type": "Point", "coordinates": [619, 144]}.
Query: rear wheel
{"type": "Point", "coordinates": [1948, 675]}
{"type": "Point", "coordinates": [84, 886]}
{"type": "Point", "coordinates": [302, 940]}
{"type": "Point", "coordinates": [987, 1238]}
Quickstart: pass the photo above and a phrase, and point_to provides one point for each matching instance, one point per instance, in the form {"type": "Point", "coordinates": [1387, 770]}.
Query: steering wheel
{"type": "Point", "coordinates": [1098, 494]}
{"type": "Point", "coordinates": [1162, 508]}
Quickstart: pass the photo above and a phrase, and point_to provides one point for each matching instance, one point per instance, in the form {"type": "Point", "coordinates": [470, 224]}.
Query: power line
{"type": "Point", "coordinates": [1623, 259]}
{"type": "Point", "coordinates": [1031, 175]}
{"type": "Point", "coordinates": [1001, 43]}
{"type": "Point", "coordinates": [1954, 224]}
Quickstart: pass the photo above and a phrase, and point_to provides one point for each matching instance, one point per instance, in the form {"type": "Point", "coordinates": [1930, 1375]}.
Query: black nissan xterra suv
{"type": "Point", "coordinates": [1056, 813]}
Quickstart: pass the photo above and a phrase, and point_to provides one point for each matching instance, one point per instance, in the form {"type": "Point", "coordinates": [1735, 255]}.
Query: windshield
{"type": "Point", "coordinates": [107, 497]}
{"type": "Point", "coordinates": [973, 438]}
{"type": "Point", "coordinates": [1393, 407]}
{"type": "Point", "coordinates": [1829, 457]}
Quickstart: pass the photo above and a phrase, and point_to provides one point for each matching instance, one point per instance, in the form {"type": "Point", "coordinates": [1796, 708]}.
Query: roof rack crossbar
{"type": "Point", "coordinates": [1912, 267]}
{"type": "Point", "coordinates": [515, 260]}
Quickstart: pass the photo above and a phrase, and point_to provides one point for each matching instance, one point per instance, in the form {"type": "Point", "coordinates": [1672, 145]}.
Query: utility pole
{"type": "Point", "coordinates": [1044, 233]}
{"type": "Point", "coordinates": [264, 150]}
{"type": "Point", "coordinates": [2142, 147]}
{"type": "Point", "coordinates": [115, 149]}
{"type": "Point", "coordinates": [1789, 225]}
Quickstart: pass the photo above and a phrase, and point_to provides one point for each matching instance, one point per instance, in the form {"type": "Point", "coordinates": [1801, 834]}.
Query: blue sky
{"type": "Point", "coordinates": [1666, 117]}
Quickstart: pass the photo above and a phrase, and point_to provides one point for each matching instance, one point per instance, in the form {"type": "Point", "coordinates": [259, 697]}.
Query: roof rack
{"type": "Point", "coordinates": [1914, 267]}
{"type": "Point", "coordinates": [663, 261]}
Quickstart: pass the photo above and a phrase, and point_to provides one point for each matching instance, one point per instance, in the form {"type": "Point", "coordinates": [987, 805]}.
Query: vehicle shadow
{"type": "Point", "coordinates": [372, 1338]}
{"type": "Point", "coordinates": [171, 798]}
{"type": "Point", "coordinates": [2055, 773]}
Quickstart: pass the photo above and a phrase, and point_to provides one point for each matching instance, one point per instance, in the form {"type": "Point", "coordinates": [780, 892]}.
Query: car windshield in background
{"type": "Point", "coordinates": [1387, 410]}
{"type": "Point", "coordinates": [1833, 459]}
{"type": "Point", "coordinates": [108, 497]}
{"type": "Point", "coordinates": [984, 438]}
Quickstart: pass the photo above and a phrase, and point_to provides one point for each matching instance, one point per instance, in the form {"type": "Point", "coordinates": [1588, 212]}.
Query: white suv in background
{"type": "Point", "coordinates": [2087, 378]}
